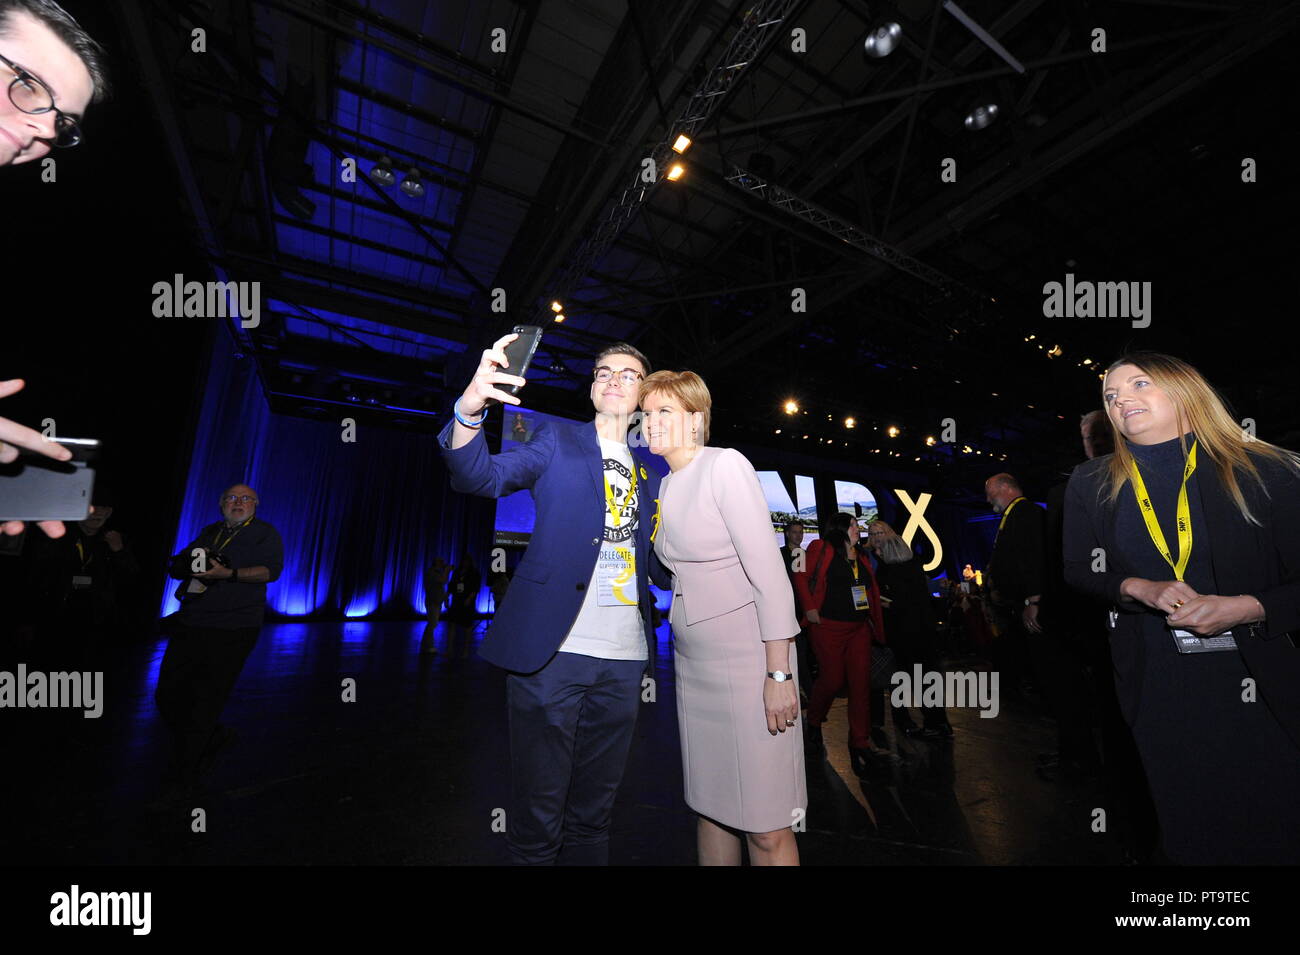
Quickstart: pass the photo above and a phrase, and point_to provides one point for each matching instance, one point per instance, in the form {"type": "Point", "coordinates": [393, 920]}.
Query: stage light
{"type": "Point", "coordinates": [682, 143]}
{"type": "Point", "coordinates": [556, 307]}
{"type": "Point", "coordinates": [791, 407]}
{"type": "Point", "coordinates": [560, 317]}
{"type": "Point", "coordinates": [412, 185]}
{"type": "Point", "coordinates": [382, 172]}
{"type": "Point", "coordinates": [981, 116]}
{"type": "Point", "coordinates": [929, 440]}
{"type": "Point", "coordinates": [1087, 361]}
{"type": "Point", "coordinates": [850, 423]}
{"type": "Point", "coordinates": [883, 40]}
{"type": "Point", "coordinates": [893, 431]}
{"type": "Point", "coordinates": [676, 172]}
{"type": "Point", "coordinates": [1055, 352]}
{"type": "Point", "coordinates": [777, 431]}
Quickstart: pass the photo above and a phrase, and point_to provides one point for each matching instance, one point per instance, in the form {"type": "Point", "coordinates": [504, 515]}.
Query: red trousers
{"type": "Point", "coordinates": [843, 656]}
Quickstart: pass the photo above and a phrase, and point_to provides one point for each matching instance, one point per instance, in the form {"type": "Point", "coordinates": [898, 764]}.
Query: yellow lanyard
{"type": "Point", "coordinates": [1007, 513]}
{"type": "Point", "coordinates": [854, 564]}
{"type": "Point", "coordinates": [1183, 516]}
{"type": "Point", "coordinates": [609, 498]}
{"type": "Point", "coordinates": [218, 545]}
{"type": "Point", "coordinates": [81, 552]}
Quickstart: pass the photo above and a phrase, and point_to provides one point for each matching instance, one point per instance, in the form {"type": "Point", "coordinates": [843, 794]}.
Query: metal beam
{"type": "Point", "coordinates": [759, 28]}
{"type": "Point", "coordinates": [938, 219]}
{"type": "Point", "coordinates": [529, 111]}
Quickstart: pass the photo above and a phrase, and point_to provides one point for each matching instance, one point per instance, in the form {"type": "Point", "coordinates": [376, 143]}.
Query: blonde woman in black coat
{"type": "Point", "coordinates": [1191, 531]}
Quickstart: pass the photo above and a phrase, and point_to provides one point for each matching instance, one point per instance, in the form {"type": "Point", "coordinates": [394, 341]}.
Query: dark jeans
{"type": "Point", "coordinates": [571, 726]}
{"type": "Point", "coordinates": [198, 672]}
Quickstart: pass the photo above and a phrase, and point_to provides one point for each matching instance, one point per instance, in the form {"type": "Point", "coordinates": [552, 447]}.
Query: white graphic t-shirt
{"type": "Point", "coordinates": [609, 623]}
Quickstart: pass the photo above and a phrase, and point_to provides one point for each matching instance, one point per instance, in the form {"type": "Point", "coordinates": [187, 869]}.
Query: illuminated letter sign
{"type": "Point", "coordinates": [915, 519]}
{"type": "Point", "coordinates": [781, 508]}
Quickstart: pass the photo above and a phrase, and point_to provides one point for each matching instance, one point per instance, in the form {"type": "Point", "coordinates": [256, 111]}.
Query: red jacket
{"type": "Point", "coordinates": [817, 563]}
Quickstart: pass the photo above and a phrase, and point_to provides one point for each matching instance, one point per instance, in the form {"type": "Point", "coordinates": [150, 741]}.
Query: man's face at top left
{"type": "Point", "coordinates": [34, 47]}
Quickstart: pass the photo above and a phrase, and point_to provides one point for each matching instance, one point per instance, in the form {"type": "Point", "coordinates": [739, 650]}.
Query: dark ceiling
{"type": "Point", "coordinates": [922, 295]}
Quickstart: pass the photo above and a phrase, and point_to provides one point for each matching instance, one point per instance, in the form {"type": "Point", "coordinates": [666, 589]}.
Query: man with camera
{"type": "Point", "coordinates": [223, 572]}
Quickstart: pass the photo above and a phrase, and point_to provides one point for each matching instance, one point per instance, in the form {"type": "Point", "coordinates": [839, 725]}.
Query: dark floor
{"type": "Point", "coordinates": [414, 769]}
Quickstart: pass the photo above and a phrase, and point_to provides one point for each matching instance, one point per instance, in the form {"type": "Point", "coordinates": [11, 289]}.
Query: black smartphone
{"type": "Point", "coordinates": [37, 488]}
{"type": "Point", "coordinates": [520, 353]}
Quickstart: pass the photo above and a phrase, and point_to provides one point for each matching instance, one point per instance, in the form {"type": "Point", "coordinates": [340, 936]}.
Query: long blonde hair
{"type": "Point", "coordinates": [1201, 410]}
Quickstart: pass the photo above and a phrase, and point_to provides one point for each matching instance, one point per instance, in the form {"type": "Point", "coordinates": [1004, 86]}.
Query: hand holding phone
{"type": "Point", "coordinates": [513, 351]}
{"type": "Point", "coordinates": [15, 437]}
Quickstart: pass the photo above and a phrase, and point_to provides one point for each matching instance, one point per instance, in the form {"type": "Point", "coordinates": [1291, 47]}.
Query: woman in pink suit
{"type": "Point", "coordinates": [733, 625]}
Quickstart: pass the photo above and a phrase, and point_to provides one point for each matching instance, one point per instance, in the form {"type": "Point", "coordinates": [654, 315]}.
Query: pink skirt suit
{"type": "Point", "coordinates": [730, 594]}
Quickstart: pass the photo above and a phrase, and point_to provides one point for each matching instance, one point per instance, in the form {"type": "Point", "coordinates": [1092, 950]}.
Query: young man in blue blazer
{"type": "Point", "coordinates": [575, 628]}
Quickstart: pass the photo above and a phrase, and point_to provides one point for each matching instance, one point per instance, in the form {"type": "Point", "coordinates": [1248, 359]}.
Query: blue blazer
{"type": "Point", "coordinates": [562, 466]}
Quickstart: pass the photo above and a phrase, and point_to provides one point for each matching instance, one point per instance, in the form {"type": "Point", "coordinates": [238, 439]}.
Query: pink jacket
{"type": "Point", "coordinates": [717, 541]}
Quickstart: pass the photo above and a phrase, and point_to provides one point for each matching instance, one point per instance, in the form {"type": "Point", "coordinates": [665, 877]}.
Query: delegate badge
{"type": "Point", "coordinates": [860, 600]}
{"type": "Point", "coordinates": [616, 577]}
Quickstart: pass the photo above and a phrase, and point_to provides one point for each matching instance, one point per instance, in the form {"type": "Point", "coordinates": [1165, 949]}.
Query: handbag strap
{"type": "Point", "coordinates": [822, 565]}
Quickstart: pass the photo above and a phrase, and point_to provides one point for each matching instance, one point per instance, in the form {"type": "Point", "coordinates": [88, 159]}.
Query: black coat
{"type": "Point", "coordinates": [1261, 561]}
{"type": "Point", "coordinates": [1017, 564]}
{"type": "Point", "coordinates": [908, 589]}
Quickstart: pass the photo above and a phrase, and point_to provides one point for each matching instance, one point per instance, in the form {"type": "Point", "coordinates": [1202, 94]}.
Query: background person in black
{"type": "Point", "coordinates": [1081, 623]}
{"type": "Point", "coordinates": [213, 633]}
{"type": "Point", "coordinates": [792, 555]}
{"type": "Point", "coordinates": [1014, 579]}
{"type": "Point", "coordinates": [435, 595]}
{"type": "Point", "coordinates": [910, 623]}
{"type": "Point", "coordinates": [77, 586]}
{"type": "Point", "coordinates": [1223, 762]}
{"type": "Point", "coordinates": [463, 588]}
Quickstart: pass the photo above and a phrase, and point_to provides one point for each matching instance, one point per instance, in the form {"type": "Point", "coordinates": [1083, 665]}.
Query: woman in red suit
{"type": "Point", "coordinates": [841, 602]}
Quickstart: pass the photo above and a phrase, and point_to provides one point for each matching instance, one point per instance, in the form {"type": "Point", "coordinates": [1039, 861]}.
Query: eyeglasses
{"type": "Point", "coordinates": [626, 375]}
{"type": "Point", "coordinates": [32, 96]}
{"type": "Point", "coordinates": [238, 499]}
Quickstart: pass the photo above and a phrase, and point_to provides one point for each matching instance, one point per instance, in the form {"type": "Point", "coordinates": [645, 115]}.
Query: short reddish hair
{"type": "Point", "coordinates": [687, 389]}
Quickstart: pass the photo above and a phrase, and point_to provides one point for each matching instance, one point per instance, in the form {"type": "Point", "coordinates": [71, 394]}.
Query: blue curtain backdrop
{"type": "Point", "coordinates": [360, 521]}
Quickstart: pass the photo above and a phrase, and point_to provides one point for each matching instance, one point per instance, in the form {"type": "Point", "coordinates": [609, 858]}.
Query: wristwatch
{"type": "Point", "coordinates": [781, 677]}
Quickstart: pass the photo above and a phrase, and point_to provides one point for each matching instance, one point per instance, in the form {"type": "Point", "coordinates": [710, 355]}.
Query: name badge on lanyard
{"type": "Point", "coordinates": [616, 577]}
{"type": "Point", "coordinates": [1187, 642]}
{"type": "Point", "coordinates": [859, 591]}
{"type": "Point", "coordinates": [1184, 640]}
{"type": "Point", "coordinates": [616, 565]}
